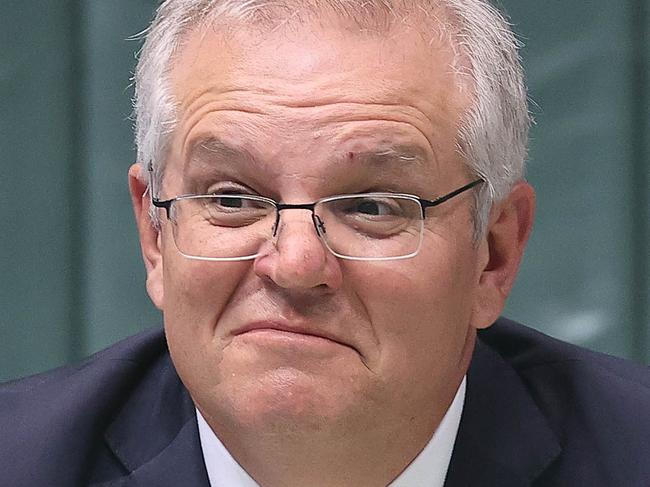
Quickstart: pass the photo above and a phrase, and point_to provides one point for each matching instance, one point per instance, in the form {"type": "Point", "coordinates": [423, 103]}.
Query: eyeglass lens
{"type": "Point", "coordinates": [235, 226]}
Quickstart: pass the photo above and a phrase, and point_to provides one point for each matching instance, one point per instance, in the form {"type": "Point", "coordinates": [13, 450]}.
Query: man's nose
{"type": "Point", "coordinates": [298, 258]}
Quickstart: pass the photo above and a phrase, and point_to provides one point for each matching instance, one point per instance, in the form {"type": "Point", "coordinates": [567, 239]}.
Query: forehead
{"type": "Point", "coordinates": [339, 56]}
{"type": "Point", "coordinates": [330, 78]}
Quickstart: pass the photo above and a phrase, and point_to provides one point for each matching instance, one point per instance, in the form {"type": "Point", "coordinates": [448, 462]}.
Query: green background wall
{"type": "Point", "coordinates": [71, 277]}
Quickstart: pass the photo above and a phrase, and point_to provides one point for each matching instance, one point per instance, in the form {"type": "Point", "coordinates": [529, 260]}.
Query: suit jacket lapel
{"type": "Point", "coordinates": [179, 464]}
{"type": "Point", "coordinates": [503, 438]}
{"type": "Point", "coordinates": [155, 436]}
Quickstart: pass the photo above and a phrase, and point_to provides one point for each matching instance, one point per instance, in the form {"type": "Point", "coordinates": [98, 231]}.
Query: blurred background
{"type": "Point", "coordinates": [72, 280]}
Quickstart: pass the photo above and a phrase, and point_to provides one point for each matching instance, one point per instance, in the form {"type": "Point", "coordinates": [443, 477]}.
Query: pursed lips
{"type": "Point", "coordinates": [288, 328]}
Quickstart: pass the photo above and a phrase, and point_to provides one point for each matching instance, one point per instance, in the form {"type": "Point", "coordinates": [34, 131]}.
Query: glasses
{"type": "Point", "coordinates": [366, 227]}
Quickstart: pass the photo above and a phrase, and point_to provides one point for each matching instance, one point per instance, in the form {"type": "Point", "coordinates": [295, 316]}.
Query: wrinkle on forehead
{"type": "Point", "coordinates": [401, 154]}
{"type": "Point", "coordinates": [212, 153]}
{"type": "Point", "coordinates": [258, 115]}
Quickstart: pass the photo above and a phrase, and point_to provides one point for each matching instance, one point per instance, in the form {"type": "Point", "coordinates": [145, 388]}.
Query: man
{"type": "Point", "coordinates": [332, 212]}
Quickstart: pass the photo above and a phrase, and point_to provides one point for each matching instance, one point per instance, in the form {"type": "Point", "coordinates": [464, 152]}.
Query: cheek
{"type": "Point", "coordinates": [194, 289]}
{"type": "Point", "coordinates": [432, 284]}
{"type": "Point", "coordinates": [420, 309]}
{"type": "Point", "coordinates": [196, 295]}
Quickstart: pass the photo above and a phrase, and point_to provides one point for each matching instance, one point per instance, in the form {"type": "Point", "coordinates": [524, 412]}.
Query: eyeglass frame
{"type": "Point", "coordinates": [318, 223]}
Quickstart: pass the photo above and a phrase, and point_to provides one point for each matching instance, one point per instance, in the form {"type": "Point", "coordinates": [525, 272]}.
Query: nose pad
{"type": "Point", "coordinates": [319, 224]}
{"type": "Point", "coordinates": [276, 226]}
{"type": "Point", "coordinates": [301, 260]}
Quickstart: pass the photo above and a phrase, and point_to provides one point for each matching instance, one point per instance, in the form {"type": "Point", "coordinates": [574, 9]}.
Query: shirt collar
{"type": "Point", "coordinates": [223, 469]}
{"type": "Point", "coordinates": [428, 469]}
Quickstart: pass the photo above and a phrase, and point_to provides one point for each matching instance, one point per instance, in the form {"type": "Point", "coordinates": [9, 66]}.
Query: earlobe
{"type": "Point", "coordinates": [509, 227]}
{"type": "Point", "coordinates": [150, 241]}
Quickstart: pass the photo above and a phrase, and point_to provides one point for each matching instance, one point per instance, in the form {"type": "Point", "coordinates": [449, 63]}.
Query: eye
{"type": "Point", "coordinates": [230, 202]}
{"type": "Point", "coordinates": [234, 211]}
{"type": "Point", "coordinates": [376, 216]}
{"type": "Point", "coordinates": [231, 196]}
{"type": "Point", "coordinates": [374, 207]}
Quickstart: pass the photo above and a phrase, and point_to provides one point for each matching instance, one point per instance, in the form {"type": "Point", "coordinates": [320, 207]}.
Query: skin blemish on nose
{"type": "Point", "coordinates": [351, 156]}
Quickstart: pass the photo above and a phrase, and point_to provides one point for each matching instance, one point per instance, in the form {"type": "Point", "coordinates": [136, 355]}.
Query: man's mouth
{"type": "Point", "coordinates": [282, 332]}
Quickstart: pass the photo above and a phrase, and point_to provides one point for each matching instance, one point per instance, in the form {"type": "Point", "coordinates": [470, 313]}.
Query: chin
{"type": "Point", "coordinates": [286, 398]}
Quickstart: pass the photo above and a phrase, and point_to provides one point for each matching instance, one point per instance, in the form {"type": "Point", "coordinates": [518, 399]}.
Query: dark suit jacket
{"type": "Point", "coordinates": [538, 412]}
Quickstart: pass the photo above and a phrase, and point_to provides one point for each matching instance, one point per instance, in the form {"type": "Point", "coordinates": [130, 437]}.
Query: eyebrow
{"type": "Point", "coordinates": [392, 155]}
{"type": "Point", "coordinates": [210, 148]}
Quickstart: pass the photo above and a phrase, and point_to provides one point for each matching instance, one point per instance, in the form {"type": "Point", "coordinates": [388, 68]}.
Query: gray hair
{"type": "Point", "coordinates": [493, 133]}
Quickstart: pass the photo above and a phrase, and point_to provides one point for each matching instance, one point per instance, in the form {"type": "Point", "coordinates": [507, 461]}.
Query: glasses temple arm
{"type": "Point", "coordinates": [442, 199]}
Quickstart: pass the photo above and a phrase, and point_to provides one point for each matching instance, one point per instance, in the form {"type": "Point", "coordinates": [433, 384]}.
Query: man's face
{"type": "Point", "coordinates": [297, 337]}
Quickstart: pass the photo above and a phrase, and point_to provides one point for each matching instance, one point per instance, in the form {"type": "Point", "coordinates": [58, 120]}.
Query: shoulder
{"type": "Point", "coordinates": [109, 368]}
{"type": "Point", "coordinates": [595, 404]}
{"type": "Point", "coordinates": [535, 355]}
{"type": "Point", "coordinates": [57, 416]}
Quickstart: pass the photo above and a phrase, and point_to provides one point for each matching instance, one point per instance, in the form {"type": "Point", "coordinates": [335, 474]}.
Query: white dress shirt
{"type": "Point", "coordinates": [429, 468]}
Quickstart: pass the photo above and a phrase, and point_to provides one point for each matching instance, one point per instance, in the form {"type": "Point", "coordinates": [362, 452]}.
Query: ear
{"type": "Point", "coordinates": [149, 235]}
{"type": "Point", "coordinates": [509, 226]}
